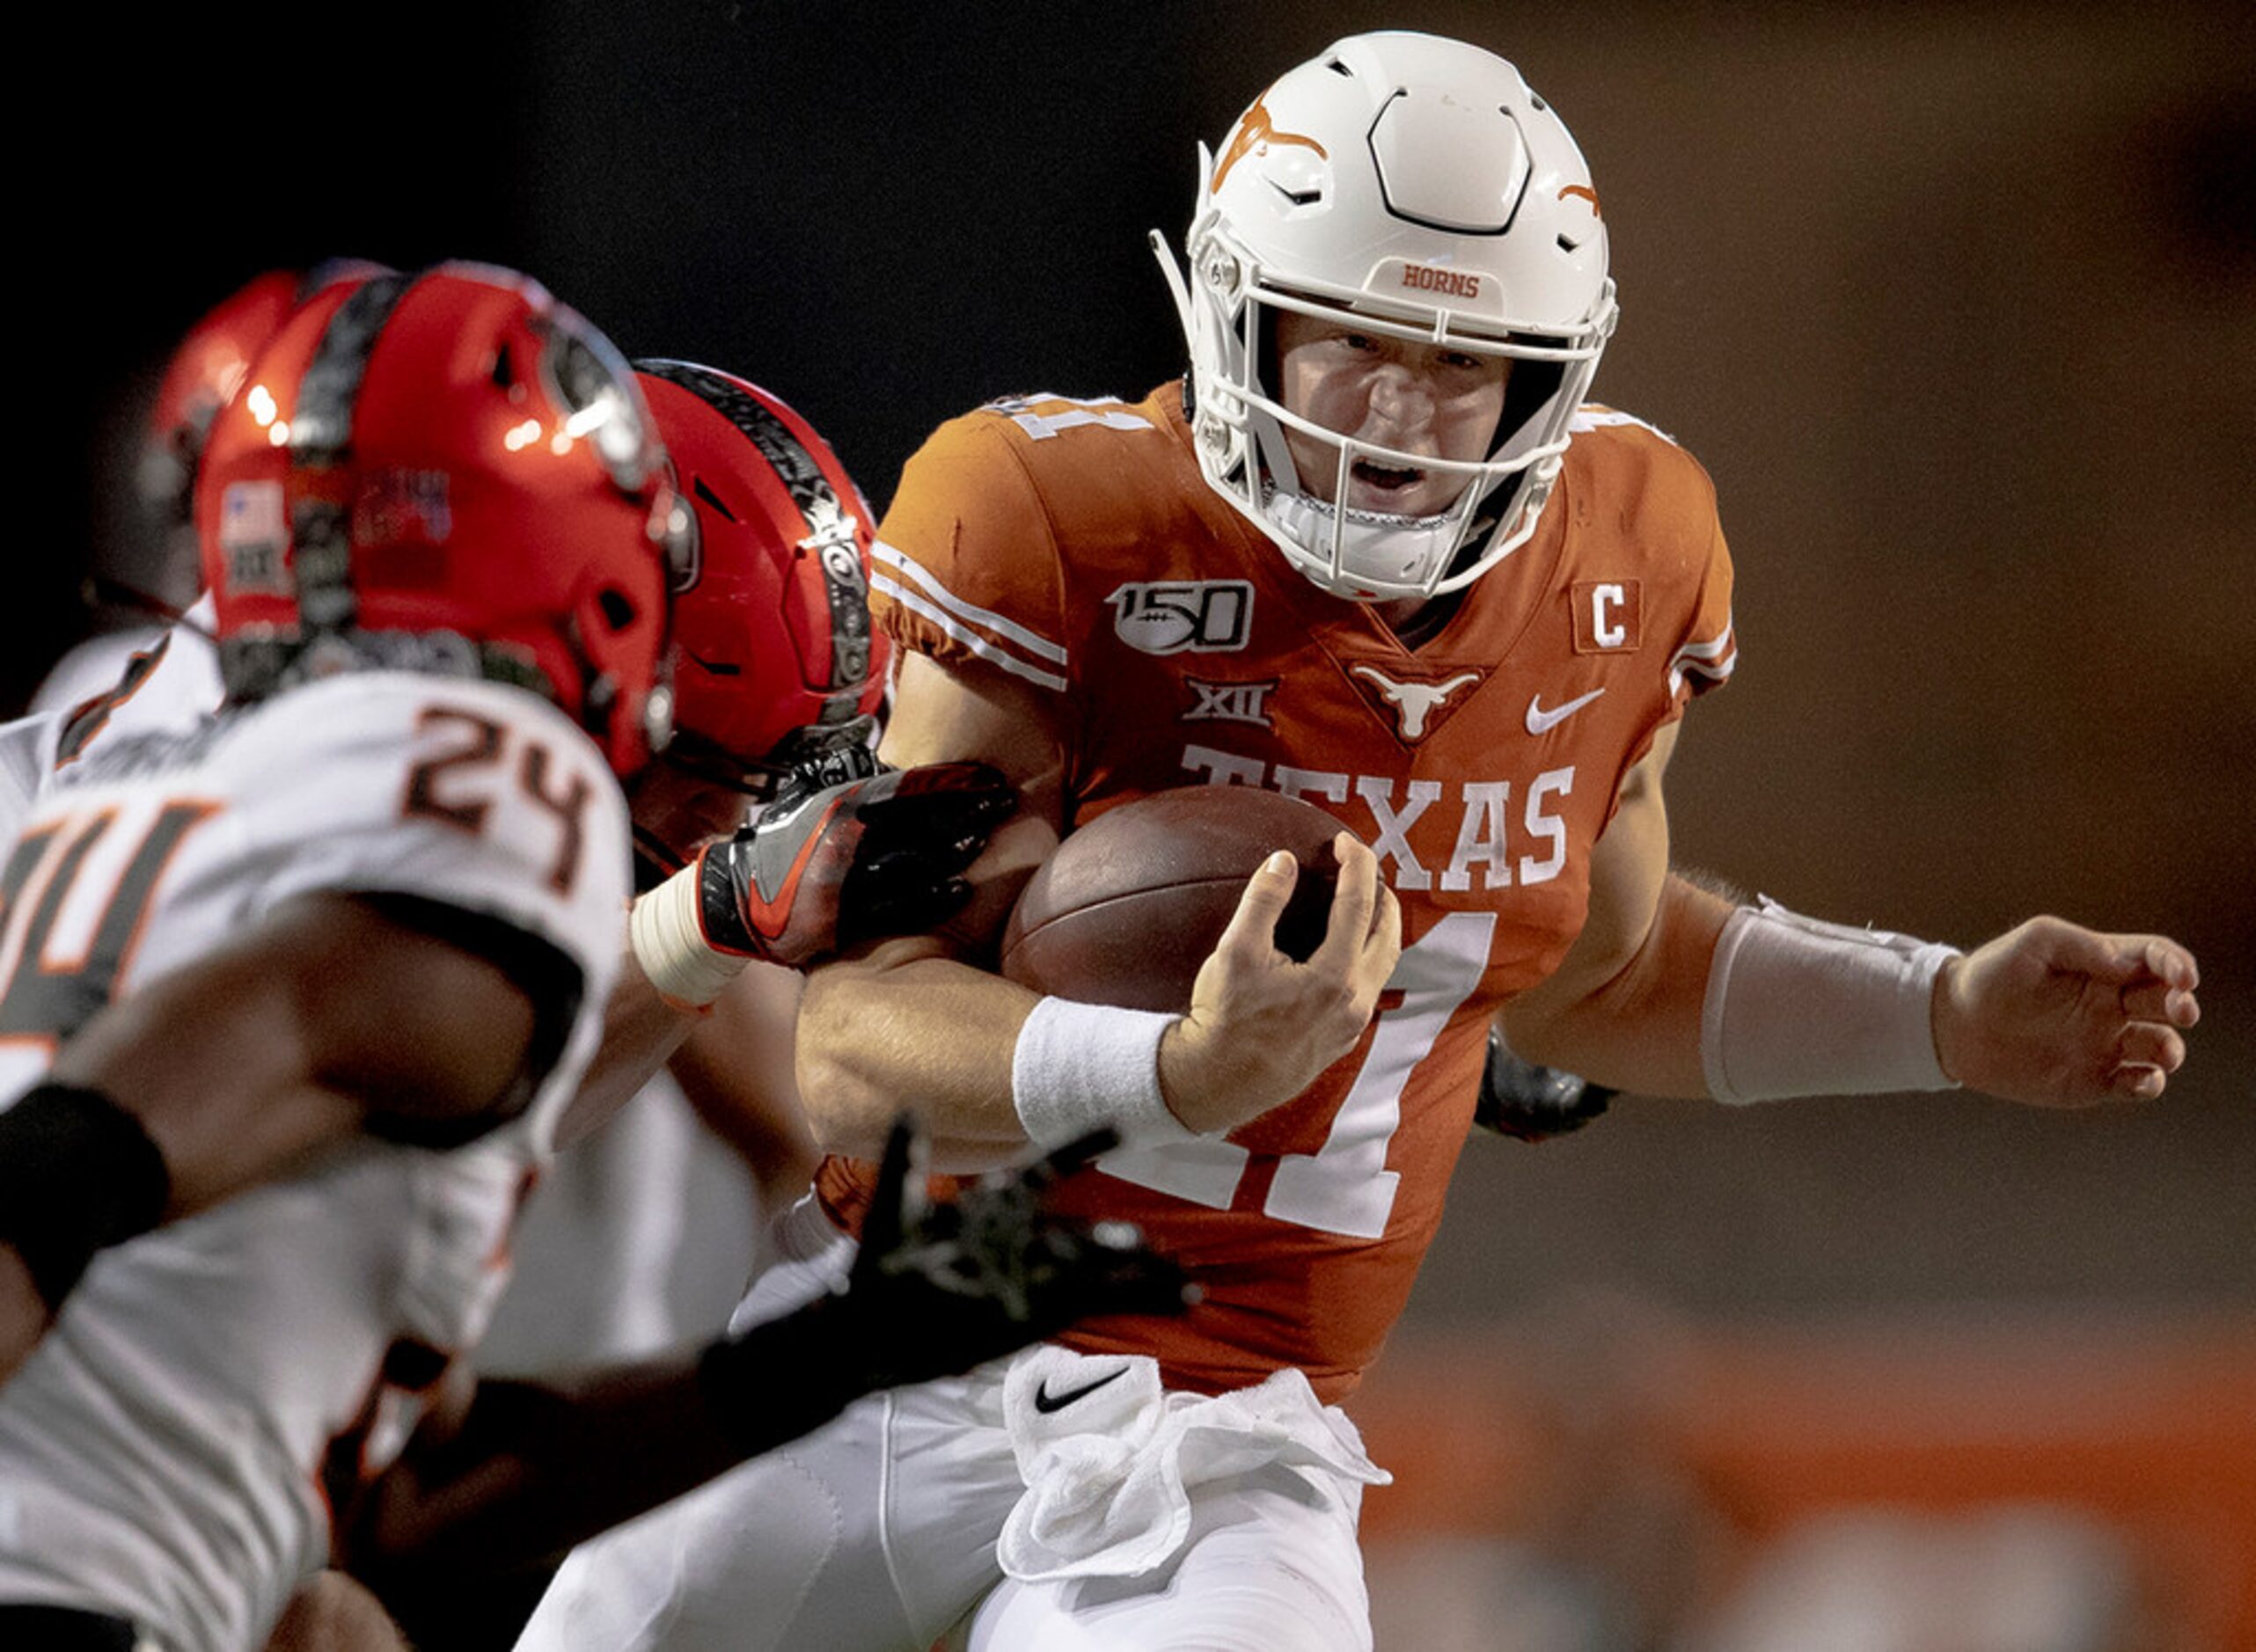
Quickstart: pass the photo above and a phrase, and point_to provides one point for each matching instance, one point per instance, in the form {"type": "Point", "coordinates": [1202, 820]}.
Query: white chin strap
{"type": "Point", "coordinates": [1397, 556]}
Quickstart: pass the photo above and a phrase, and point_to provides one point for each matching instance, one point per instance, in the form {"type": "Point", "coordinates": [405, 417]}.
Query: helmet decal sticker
{"type": "Point", "coordinates": [1255, 130]}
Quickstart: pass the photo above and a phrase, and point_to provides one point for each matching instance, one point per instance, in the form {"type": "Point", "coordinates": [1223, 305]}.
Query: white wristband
{"type": "Point", "coordinates": [1799, 1007]}
{"type": "Point", "coordinates": [1080, 1067]}
{"type": "Point", "coordinates": [669, 944]}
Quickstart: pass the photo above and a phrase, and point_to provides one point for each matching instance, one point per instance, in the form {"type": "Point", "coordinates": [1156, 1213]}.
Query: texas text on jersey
{"type": "Point", "coordinates": [1481, 766]}
{"type": "Point", "coordinates": [175, 1448]}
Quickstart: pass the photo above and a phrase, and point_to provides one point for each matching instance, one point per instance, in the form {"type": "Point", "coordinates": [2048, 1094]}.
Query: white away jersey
{"type": "Point", "coordinates": [170, 1451]}
{"type": "Point", "coordinates": [26, 758]}
{"type": "Point", "coordinates": [168, 685]}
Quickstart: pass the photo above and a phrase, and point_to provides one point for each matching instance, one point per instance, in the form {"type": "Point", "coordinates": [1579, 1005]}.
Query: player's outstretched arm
{"type": "Point", "coordinates": [847, 853]}
{"type": "Point", "coordinates": [527, 1469]}
{"type": "Point", "coordinates": [827, 867]}
{"type": "Point", "coordinates": [329, 1019]}
{"type": "Point", "coordinates": [922, 1022]}
{"type": "Point", "coordinates": [1673, 990]}
{"type": "Point", "coordinates": [2053, 1014]}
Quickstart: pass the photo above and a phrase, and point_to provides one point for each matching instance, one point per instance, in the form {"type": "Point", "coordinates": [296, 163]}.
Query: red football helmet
{"type": "Point", "coordinates": [206, 367]}
{"type": "Point", "coordinates": [449, 473]}
{"type": "Point", "coordinates": [775, 662]}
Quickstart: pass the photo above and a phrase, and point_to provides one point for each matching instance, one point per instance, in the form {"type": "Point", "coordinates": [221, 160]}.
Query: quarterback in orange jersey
{"type": "Point", "coordinates": [1480, 767]}
{"type": "Point", "coordinates": [1378, 551]}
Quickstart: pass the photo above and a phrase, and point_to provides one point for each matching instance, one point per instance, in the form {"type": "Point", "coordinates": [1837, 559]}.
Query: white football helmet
{"type": "Point", "coordinates": [1416, 186]}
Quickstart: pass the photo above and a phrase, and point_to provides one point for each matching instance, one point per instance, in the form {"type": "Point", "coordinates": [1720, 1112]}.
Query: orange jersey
{"type": "Point", "coordinates": [1075, 546]}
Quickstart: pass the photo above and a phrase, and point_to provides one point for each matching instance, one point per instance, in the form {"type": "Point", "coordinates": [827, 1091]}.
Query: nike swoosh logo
{"type": "Point", "coordinates": [1046, 1402]}
{"type": "Point", "coordinates": [1541, 722]}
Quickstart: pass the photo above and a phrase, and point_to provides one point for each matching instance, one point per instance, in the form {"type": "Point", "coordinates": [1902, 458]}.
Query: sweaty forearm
{"type": "Point", "coordinates": [921, 1032]}
{"type": "Point", "coordinates": [641, 1032]}
{"type": "Point", "coordinates": [1637, 1029]}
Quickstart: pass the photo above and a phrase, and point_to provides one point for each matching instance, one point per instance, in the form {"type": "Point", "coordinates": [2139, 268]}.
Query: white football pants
{"type": "Point", "coordinates": [876, 1533]}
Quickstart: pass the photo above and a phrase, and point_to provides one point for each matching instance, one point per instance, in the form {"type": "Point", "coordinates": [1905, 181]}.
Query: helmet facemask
{"type": "Point", "coordinates": [1314, 223]}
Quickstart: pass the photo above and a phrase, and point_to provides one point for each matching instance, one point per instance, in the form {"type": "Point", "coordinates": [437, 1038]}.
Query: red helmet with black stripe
{"type": "Point", "coordinates": [775, 660]}
{"type": "Point", "coordinates": [207, 366]}
{"type": "Point", "coordinates": [449, 473]}
{"type": "Point", "coordinates": [205, 370]}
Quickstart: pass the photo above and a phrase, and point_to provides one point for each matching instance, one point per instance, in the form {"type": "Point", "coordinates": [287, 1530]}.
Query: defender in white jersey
{"type": "Point", "coordinates": [316, 974]}
{"type": "Point", "coordinates": [174, 1450]}
{"type": "Point", "coordinates": [416, 875]}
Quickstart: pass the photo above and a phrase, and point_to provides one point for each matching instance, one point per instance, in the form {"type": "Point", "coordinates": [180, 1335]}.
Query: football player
{"type": "Point", "coordinates": [778, 680]}
{"type": "Point", "coordinates": [775, 666]}
{"type": "Point", "coordinates": [1379, 551]}
{"type": "Point", "coordinates": [159, 567]}
{"type": "Point", "coordinates": [295, 999]}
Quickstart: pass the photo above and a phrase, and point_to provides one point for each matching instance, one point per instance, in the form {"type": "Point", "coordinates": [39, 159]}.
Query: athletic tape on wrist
{"type": "Point", "coordinates": [1080, 1067]}
{"type": "Point", "coordinates": [669, 944]}
{"type": "Point", "coordinates": [1796, 1006]}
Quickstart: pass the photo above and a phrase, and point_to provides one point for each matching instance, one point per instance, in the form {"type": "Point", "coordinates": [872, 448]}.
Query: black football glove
{"type": "Point", "coordinates": [941, 1287]}
{"type": "Point", "coordinates": [849, 851]}
{"type": "Point", "coordinates": [1520, 1099]}
{"type": "Point", "coordinates": [936, 1288]}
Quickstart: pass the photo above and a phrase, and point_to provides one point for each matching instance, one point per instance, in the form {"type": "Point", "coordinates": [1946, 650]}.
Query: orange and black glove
{"type": "Point", "coordinates": [828, 865]}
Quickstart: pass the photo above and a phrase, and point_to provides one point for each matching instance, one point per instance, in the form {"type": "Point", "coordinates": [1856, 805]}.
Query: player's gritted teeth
{"type": "Point", "coordinates": [1388, 479]}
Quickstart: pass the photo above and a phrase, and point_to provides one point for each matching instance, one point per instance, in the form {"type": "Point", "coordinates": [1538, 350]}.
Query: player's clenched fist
{"type": "Point", "coordinates": [1261, 1026]}
{"type": "Point", "coordinates": [826, 867]}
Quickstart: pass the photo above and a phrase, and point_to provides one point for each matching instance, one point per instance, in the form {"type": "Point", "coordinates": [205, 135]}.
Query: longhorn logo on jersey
{"type": "Point", "coordinates": [1416, 707]}
{"type": "Point", "coordinates": [1179, 616]}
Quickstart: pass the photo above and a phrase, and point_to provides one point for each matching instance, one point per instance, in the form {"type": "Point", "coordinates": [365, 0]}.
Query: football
{"type": "Point", "coordinates": [1131, 903]}
{"type": "Point", "coordinates": [1157, 630]}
